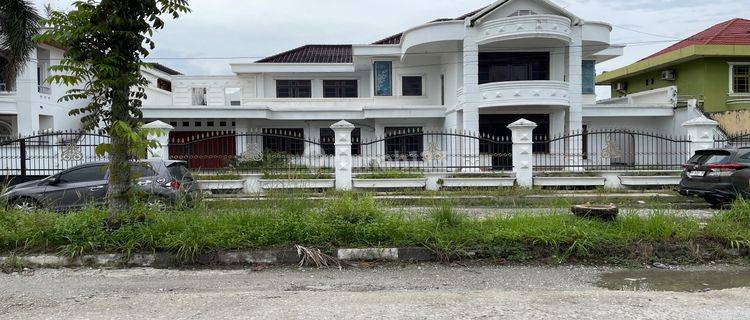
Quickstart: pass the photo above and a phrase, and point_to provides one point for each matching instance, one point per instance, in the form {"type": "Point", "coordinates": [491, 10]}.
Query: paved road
{"type": "Point", "coordinates": [382, 292]}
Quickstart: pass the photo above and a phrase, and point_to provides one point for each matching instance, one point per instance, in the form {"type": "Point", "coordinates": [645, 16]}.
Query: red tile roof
{"type": "Point", "coordinates": [327, 53]}
{"type": "Point", "coordinates": [732, 32]}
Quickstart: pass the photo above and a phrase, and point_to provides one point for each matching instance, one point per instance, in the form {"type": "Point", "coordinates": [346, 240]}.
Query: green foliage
{"type": "Point", "coordinates": [19, 23]}
{"type": "Point", "coordinates": [353, 220]}
{"type": "Point", "coordinates": [105, 43]}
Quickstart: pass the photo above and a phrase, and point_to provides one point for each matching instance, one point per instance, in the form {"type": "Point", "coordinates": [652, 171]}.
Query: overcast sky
{"type": "Point", "coordinates": [258, 28]}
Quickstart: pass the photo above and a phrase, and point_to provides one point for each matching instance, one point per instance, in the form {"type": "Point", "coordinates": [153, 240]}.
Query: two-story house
{"type": "Point", "coordinates": [477, 72]}
{"type": "Point", "coordinates": [712, 66]}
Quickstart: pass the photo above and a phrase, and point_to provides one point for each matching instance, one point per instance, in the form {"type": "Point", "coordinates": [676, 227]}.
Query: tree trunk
{"type": "Point", "coordinates": [119, 192]}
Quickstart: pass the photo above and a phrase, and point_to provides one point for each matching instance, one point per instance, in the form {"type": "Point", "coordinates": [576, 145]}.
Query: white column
{"type": "Point", "coordinates": [161, 135]}
{"type": "Point", "coordinates": [575, 81]}
{"type": "Point", "coordinates": [471, 98]}
{"type": "Point", "coordinates": [523, 156]}
{"type": "Point", "coordinates": [343, 158]}
{"type": "Point", "coordinates": [701, 132]}
{"type": "Point", "coordinates": [27, 97]}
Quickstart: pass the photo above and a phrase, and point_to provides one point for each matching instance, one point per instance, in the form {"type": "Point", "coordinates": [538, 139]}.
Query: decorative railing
{"type": "Point", "coordinates": [533, 26]}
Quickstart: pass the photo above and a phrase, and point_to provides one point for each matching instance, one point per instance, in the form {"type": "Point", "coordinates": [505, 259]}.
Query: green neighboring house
{"type": "Point", "coordinates": [712, 66]}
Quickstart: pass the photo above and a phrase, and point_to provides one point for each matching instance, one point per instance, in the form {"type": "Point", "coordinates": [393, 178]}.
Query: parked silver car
{"type": "Point", "coordinates": [160, 182]}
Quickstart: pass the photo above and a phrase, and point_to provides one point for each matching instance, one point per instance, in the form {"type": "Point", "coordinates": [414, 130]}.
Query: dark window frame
{"type": "Point", "coordinates": [164, 84]}
{"type": "Point", "coordinates": [737, 87]}
{"type": "Point", "coordinates": [341, 88]}
{"type": "Point", "coordinates": [404, 143]}
{"type": "Point", "coordinates": [293, 89]}
{"type": "Point", "coordinates": [514, 66]}
{"type": "Point", "coordinates": [412, 88]}
{"type": "Point", "coordinates": [289, 141]}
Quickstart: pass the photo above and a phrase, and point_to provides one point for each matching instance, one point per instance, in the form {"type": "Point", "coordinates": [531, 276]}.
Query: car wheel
{"type": "Point", "coordinates": [25, 205]}
{"type": "Point", "coordinates": [157, 203]}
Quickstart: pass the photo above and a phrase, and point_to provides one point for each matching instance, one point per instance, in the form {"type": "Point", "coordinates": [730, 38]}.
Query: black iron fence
{"type": "Point", "coordinates": [738, 140]}
{"type": "Point", "coordinates": [416, 150]}
{"type": "Point", "coordinates": [48, 153]}
{"type": "Point", "coordinates": [610, 150]}
{"type": "Point", "coordinates": [267, 150]}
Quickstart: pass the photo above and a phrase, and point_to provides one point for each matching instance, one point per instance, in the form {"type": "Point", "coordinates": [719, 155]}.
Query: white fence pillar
{"type": "Point", "coordinates": [343, 157]}
{"type": "Point", "coordinates": [162, 150]}
{"type": "Point", "coordinates": [701, 132]}
{"type": "Point", "coordinates": [523, 156]}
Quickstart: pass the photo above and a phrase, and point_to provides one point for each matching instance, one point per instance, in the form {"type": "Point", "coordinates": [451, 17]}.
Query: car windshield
{"type": "Point", "coordinates": [180, 172]}
{"type": "Point", "coordinates": [710, 157]}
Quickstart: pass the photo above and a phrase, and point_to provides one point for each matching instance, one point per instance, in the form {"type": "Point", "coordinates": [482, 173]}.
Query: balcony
{"type": "Point", "coordinates": [524, 93]}
{"type": "Point", "coordinates": [534, 26]}
{"type": "Point", "coordinates": [8, 102]}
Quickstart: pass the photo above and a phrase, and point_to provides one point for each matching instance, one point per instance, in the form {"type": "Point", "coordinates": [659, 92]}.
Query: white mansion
{"type": "Point", "coordinates": [477, 72]}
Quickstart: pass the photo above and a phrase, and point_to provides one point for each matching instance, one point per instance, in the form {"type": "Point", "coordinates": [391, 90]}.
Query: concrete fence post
{"type": "Point", "coordinates": [162, 150]}
{"type": "Point", "coordinates": [523, 156]}
{"type": "Point", "coordinates": [343, 156]}
{"type": "Point", "coordinates": [701, 132]}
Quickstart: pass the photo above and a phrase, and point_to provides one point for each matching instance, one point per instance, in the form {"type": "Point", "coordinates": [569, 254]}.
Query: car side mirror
{"type": "Point", "coordinates": [53, 181]}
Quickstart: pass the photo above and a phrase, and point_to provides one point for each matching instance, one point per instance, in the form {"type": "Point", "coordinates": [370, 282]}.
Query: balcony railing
{"type": "Point", "coordinates": [517, 93]}
{"type": "Point", "coordinates": [534, 26]}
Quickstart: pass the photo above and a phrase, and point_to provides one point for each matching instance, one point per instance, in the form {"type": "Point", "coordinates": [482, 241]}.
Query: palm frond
{"type": "Point", "coordinates": [19, 23]}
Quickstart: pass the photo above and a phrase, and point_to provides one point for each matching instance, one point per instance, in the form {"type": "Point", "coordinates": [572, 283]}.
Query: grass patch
{"type": "Point", "coordinates": [359, 221]}
{"type": "Point", "coordinates": [222, 177]}
{"type": "Point", "coordinates": [312, 175]}
{"type": "Point", "coordinates": [391, 174]}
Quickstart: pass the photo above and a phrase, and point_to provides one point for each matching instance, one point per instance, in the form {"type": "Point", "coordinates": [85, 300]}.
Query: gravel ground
{"type": "Point", "coordinates": [380, 291]}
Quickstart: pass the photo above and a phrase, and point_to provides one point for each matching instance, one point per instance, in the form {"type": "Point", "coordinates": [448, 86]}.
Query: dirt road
{"type": "Point", "coordinates": [383, 292]}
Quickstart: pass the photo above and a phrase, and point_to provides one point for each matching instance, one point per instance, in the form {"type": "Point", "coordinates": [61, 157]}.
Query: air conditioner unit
{"type": "Point", "coordinates": [668, 75]}
{"type": "Point", "coordinates": [621, 86]}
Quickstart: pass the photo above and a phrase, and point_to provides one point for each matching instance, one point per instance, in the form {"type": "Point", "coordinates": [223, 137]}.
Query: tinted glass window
{"type": "Point", "coordinates": [513, 66]}
{"type": "Point", "coordinates": [403, 143]}
{"type": "Point", "coordinates": [706, 158]}
{"type": "Point", "coordinates": [745, 157]}
{"type": "Point", "coordinates": [142, 170]}
{"type": "Point", "coordinates": [86, 174]}
{"type": "Point", "coordinates": [411, 86]}
{"type": "Point", "coordinates": [286, 141]}
{"type": "Point", "coordinates": [328, 141]}
{"type": "Point", "coordinates": [339, 88]}
{"type": "Point", "coordinates": [293, 88]}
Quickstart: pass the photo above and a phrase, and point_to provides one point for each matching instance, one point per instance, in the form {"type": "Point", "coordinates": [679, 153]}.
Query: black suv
{"type": "Point", "coordinates": [162, 183]}
{"type": "Point", "coordinates": [718, 175]}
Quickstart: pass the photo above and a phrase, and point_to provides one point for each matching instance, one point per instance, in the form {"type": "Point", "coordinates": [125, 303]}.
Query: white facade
{"type": "Point", "coordinates": [446, 55]}
{"type": "Point", "coordinates": [32, 105]}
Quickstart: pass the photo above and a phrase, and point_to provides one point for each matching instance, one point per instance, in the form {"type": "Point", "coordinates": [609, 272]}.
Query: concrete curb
{"type": "Point", "coordinates": [233, 258]}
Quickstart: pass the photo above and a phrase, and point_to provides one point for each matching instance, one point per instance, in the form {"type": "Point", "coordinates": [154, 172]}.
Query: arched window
{"type": "Point", "coordinates": [522, 13]}
{"type": "Point", "coordinates": [6, 131]}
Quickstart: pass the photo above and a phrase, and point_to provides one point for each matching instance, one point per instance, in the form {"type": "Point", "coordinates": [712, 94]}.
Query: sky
{"type": "Point", "coordinates": [217, 32]}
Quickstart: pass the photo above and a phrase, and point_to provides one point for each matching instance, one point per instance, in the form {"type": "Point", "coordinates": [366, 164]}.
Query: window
{"type": "Point", "coordinates": [198, 124]}
{"type": "Point", "coordinates": [513, 66]}
{"type": "Point", "coordinates": [589, 77]}
{"type": "Point", "coordinates": [173, 123]}
{"type": "Point", "coordinates": [340, 88]}
{"type": "Point", "coordinates": [222, 123]}
{"type": "Point", "coordinates": [328, 141]}
{"type": "Point", "coordinates": [209, 124]}
{"type": "Point", "coordinates": [522, 13]}
{"type": "Point", "coordinates": [403, 143]}
{"type": "Point", "coordinates": [199, 97]}
{"type": "Point", "coordinates": [442, 89]}
{"type": "Point", "coordinates": [382, 71]}
{"type": "Point", "coordinates": [142, 170]}
{"type": "Point", "coordinates": [164, 84]}
{"type": "Point", "coordinates": [288, 141]}
{"type": "Point", "coordinates": [185, 124]}
{"type": "Point", "coordinates": [233, 96]}
{"type": "Point", "coordinates": [85, 174]}
{"type": "Point", "coordinates": [745, 158]}
{"type": "Point", "coordinates": [740, 75]}
{"type": "Point", "coordinates": [411, 86]}
{"type": "Point", "coordinates": [293, 88]}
